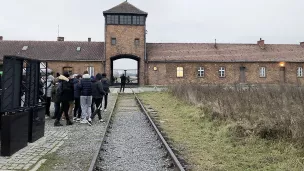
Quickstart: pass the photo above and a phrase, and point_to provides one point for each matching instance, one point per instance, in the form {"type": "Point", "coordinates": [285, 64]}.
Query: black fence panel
{"type": "Point", "coordinates": [14, 132]}
{"type": "Point", "coordinates": [11, 84]}
{"type": "Point", "coordinates": [36, 123]}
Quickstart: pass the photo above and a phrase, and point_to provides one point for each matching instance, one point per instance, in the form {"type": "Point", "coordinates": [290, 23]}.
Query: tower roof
{"type": "Point", "coordinates": [125, 8]}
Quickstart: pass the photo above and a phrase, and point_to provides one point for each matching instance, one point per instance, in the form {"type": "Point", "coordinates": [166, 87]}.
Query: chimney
{"type": "Point", "coordinates": [1, 38]}
{"type": "Point", "coordinates": [60, 39]}
{"type": "Point", "coordinates": [301, 43]}
{"type": "Point", "coordinates": [89, 39]}
{"type": "Point", "coordinates": [261, 43]}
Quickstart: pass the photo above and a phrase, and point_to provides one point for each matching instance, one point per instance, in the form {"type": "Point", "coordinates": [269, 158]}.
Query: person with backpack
{"type": "Point", "coordinates": [97, 93]}
{"type": "Point", "coordinates": [64, 90]}
{"type": "Point", "coordinates": [85, 86]}
{"type": "Point", "coordinates": [106, 88]}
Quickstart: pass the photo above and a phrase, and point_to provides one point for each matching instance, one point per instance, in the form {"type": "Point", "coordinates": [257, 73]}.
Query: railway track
{"type": "Point", "coordinates": [132, 141]}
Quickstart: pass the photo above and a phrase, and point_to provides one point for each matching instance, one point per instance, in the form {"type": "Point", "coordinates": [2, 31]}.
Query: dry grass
{"type": "Point", "coordinates": [211, 144]}
{"type": "Point", "coordinates": [267, 111]}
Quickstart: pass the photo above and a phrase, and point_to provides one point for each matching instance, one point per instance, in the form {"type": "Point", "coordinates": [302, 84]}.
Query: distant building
{"type": "Point", "coordinates": [165, 63]}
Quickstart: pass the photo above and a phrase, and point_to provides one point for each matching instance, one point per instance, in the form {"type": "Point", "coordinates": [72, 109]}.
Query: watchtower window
{"type": "Point", "coordinates": [112, 19]}
{"type": "Point", "coordinates": [113, 41]}
{"type": "Point", "coordinates": [136, 42]}
{"type": "Point", "coordinates": [125, 20]}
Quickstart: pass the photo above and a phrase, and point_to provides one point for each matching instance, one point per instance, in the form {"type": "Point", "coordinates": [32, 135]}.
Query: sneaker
{"type": "Point", "coordinates": [74, 119]}
{"type": "Point", "coordinates": [90, 121]}
{"type": "Point", "coordinates": [69, 122]}
{"type": "Point", "coordinates": [105, 110]}
{"type": "Point", "coordinates": [78, 120]}
{"type": "Point", "coordinates": [83, 121]}
{"type": "Point", "coordinates": [101, 120]}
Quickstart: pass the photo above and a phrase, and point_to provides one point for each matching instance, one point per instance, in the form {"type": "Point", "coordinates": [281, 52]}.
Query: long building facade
{"type": "Point", "coordinates": [165, 63]}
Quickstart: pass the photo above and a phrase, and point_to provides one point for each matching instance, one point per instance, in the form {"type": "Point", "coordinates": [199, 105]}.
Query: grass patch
{"type": "Point", "coordinates": [210, 144]}
{"type": "Point", "coordinates": [52, 160]}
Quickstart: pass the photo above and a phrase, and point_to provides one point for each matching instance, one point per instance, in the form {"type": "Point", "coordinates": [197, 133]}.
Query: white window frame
{"type": "Point", "coordinates": [262, 72]}
{"type": "Point", "coordinates": [222, 72]}
{"type": "Point", "coordinates": [91, 70]}
{"type": "Point", "coordinates": [300, 72]}
{"type": "Point", "coordinates": [201, 72]}
{"type": "Point", "coordinates": [180, 72]}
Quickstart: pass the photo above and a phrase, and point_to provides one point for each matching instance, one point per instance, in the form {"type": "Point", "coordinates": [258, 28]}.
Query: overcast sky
{"type": "Point", "coordinates": [228, 21]}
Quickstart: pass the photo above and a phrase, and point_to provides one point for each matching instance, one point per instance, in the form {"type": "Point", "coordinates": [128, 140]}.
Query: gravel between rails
{"type": "Point", "coordinates": [131, 144]}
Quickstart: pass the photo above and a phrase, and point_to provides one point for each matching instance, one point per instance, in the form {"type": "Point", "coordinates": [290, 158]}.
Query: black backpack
{"type": "Point", "coordinates": [106, 85]}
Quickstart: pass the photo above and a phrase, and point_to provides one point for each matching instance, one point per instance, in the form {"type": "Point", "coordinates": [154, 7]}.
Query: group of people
{"type": "Point", "coordinates": [78, 97]}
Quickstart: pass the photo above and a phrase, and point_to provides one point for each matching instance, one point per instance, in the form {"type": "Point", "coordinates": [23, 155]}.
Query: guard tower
{"type": "Point", "coordinates": [125, 37]}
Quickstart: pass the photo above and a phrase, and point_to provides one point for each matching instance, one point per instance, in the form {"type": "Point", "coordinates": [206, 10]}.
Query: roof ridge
{"type": "Point", "coordinates": [125, 7]}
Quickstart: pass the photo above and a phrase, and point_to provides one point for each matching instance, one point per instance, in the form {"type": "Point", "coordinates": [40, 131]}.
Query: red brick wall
{"type": "Point", "coordinates": [166, 73]}
{"type": "Point", "coordinates": [78, 67]}
{"type": "Point", "coordinates": [125, 36]}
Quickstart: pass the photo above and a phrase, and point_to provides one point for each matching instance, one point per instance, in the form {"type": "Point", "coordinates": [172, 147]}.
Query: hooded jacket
{"type": "Point", "coordinates": [76, 88]}
{"type": "Point", "coordinates": [105, 84]}
{"type": "Point", "coordinates": [97, 88]}
{"type": "Point", "coordinates": [85, 85]}
{"type": "Point", "coordinates": [66, 89]}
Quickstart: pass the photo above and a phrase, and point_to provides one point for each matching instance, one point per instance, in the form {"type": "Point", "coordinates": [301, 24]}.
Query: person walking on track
{"type": "Point", "coordinates": [123, 80]}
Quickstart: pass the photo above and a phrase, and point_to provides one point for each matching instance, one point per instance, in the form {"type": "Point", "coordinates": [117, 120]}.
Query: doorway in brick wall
{"type": "Point", "coordinates": [127, 65]}
{"type": "Point", "coordinates": [242, 74]}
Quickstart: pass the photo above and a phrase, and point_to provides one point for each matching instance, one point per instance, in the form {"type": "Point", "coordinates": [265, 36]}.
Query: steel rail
{"type": "Point", "coordinates": [96, 154]}
{"type": "Point", "coordinates": [164, 142]}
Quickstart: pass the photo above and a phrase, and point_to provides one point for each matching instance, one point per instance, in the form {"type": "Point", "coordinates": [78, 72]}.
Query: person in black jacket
{"type": "Point", "coordinates": [77, 108]}
{"type": "Point", "coordinates": [97, 93]}
{"type": "Point", "coordinates": [123, 80]}
{"type": "Point", "coordinates": [106, 88]}
{"type": "Point", "coordinates": [64, 93]}
{"type": "Point", "coordinates": [85, 86]}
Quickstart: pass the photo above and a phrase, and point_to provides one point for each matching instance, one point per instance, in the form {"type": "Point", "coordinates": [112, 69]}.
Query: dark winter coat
{"type": "Point", "coordinates": [105, 84]}
{"type": "Point", "coordinates": [97, 90]}
{"type": "Point", "coordinates": [85, 85]}
{"type": "Point", "coordinates": [55, 99]}
{"type": "Point", "coordinates": [76, 88]}
{"type": "Point", "coordinates": [65, 90]}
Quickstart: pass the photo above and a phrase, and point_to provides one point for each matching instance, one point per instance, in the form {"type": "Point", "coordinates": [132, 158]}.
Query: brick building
{"type": "Point", "coordinates": [165, 63]}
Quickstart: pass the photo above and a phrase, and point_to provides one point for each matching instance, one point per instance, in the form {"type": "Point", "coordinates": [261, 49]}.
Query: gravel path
{"type": "Point", "coordinates": [132, 144]}
{"type": "Point", "coordinates": [78, 149]}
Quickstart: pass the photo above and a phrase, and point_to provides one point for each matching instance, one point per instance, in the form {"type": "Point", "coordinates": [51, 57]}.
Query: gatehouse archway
{"type": "Point", "coordinates": [129, 65]}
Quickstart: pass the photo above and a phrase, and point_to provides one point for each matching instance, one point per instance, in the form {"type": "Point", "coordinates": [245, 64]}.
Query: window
{"type": "Point", "coordinates": [180, 72]}
{"type": "Point", "coordinates": [112, 19]}
{"type": "Point", "coordinates": [125, 19]}
{"type": "Point", "coordinates": [78, 49]}
{"type": "Point", "coordinates": [136, 42]}
{"type": "Point", "coordinates": [300, 72]}
{"type": "Point", "coordinates": [91, 70]}
{"type": "Point", "coordinates": [68, 69]}
{"type": "Point", "coordinates": [113, 41]}
{"type": "Point", "coordinates": [142, 20]}
{"type": "Point", "coordinates": [262, 72]}
{"type": "Point", "coordinates": [136, 20]}
{"type": "Point", "coordinates": [222, 72]}
{"type": "Point", "coordinates": [201, 72]}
